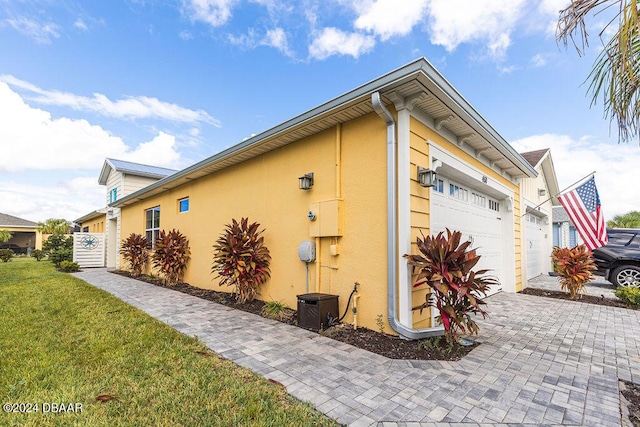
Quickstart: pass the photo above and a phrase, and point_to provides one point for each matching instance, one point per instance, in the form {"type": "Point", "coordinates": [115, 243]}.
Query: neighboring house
{"type": "Point", "coordinates": [565, 234]}
{"type": "Point", "coordinates": [93, 222]}
{"type": "Point", "coordinates": [120, 178]}
{"type": "Point", "coordinates": [25, 235]}
{"type": "Point", "coordinates": [538, 200]}
{"type": "Point", "coordinates": [366, 206]}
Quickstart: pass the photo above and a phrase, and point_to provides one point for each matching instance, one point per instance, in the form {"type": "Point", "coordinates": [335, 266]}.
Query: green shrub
{"type": "Point", "coordinates": [628, 294]}
{"type": "Point", "coordinates": [134, 251]}
{"type": "Point", "coordinates": [445, 266]}
{"type": "Point", "coordinates": [60, 255]}
{"type": "Point", "coordinates": [57, 242]}
{"type": "Point", "coordinates": [37, 254]}
{"type": "Point", "coordinates": [241, 259]}
{"type": "Point", "coordinates": [574, 266]}
{"type": "Point", "coordinates": [6, 255]}
{"type": "Point", "coordinates": [69, 267]}
{"type": "Point", "coordinates": [170, 255]}
{"type": "Point", "coordinates": [275, 310]}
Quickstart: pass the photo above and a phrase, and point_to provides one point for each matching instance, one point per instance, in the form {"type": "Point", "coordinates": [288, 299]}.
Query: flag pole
{"type": "Point", "coordinates": [560, 192]}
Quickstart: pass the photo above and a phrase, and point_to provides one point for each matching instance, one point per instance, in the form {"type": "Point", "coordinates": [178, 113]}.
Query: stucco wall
{"type": "Point", "coordinates": [96, 225]}
{"type": "Point", "coordinates": [265, 189]}
{"type": "Point", "coordinates": [24, 237]}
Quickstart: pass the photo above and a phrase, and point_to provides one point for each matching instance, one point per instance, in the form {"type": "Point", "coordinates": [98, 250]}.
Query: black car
{"type": "Point", "coordinates": [619, 260]}
{"type": "Point", "coordinates": [15, 248]}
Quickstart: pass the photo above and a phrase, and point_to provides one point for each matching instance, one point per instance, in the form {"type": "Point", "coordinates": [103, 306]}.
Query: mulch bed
{"type": "Point", "coordinates": [385, 345]}
{"type": "Point", "coordinates": [631, 392]}
{"type": "Point", "coordinates": [589, 299]}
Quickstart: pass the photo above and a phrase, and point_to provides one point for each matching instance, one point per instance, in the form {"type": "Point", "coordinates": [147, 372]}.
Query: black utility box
{"type": "Point", "coordinates": [315, 310]}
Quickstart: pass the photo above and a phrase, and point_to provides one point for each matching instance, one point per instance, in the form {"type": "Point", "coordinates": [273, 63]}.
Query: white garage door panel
{"type": "Point", "coordinates": [479, 224]}
{"type": "Point", "coordinates": [534, 242]}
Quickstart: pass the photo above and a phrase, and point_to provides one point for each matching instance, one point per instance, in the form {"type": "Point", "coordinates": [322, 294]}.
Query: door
{"type": "Point", "coordinates": [534, 242]}
{"type": "Point", "coordinates": [477, 216]}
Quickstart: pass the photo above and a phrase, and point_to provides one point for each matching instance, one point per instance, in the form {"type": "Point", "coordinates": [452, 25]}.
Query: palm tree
{"type": "Point", "coordinates": [54, 226]}
{"type": "Point", "coordinates": [5, 235]}
{"type": "Point", "coordinates": [615, 76]}
{"type": "Point", "coordinates": [628, 220]}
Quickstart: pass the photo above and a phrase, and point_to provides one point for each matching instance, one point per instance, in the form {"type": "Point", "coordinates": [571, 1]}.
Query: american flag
{"type": "Point", "coordinates": [583, 206]}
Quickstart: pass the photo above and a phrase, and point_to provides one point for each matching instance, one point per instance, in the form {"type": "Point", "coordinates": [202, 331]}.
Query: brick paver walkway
{"type": "Point", "coordinates": [541, 362]}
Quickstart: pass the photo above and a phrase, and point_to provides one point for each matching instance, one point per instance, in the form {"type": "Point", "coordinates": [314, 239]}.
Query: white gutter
{"type": "Point", "coordinates": [392, 251]}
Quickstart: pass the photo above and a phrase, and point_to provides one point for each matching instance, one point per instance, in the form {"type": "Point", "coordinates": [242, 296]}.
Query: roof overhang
{"type": "Point", "coordinates": [95, 214]}
{"type": "Point", "coordinates": [419, 78]}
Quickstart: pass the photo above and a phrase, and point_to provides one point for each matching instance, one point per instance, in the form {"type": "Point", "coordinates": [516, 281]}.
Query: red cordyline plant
{"type": "Point", "coordinates": [445, 266]}
{"type": "Point", "coordinates": [170, 255]}
{"type": "Point", "coordinates": [241, 259]}
{"type": "Point", "coordinates": [134, 251]}
{"type": "Point", "coordinates": [574, 267]}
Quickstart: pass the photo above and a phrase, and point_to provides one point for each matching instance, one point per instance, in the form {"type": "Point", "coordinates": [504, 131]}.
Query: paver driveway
{"type": "Point", "coordinates": [541, 361]}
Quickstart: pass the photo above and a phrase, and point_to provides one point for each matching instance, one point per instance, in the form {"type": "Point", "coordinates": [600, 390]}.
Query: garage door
{"type": "Point", "coordinates": [534, 241]}
{"type": "Point", "coordinates": [474, 214]}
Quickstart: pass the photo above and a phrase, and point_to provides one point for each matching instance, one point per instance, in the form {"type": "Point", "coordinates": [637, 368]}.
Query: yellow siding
{"type": "Point", "coordinates": [420, 133]}
{"type": "Point", "coordinates": [96, 225]}
{"type": "Point", "coordinates": [265, 189]}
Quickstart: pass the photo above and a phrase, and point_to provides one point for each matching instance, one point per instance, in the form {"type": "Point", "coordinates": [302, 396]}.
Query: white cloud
{"type": "Point", "coordinates": [276, 38]}
{"type": "Point", "coordinates": [332, 41]}
{"type": "Point", "coordinates": [388, 18]}
{"type": "Point", "coordinates": [213, 12]}
{"type": "Point", "coordinates": [615, 164]}
{"type": "Point", "coordinates": [39, 202]}
{"type": "Point", "coordinates": [79, 23]}
{"type": "Point", "coordinates": [550, 12]}
{"type": "Point", "coordinates": [539, 60]}
{"type": "Point", "coordinates": [40, 32]}
{"type": "Point", "coordinates": [36, 141]}
{"type": "Point", "coordinates": [185, 35]}
{"type": "Point", "coordinates": [454, 22]}
{"type": "Point", "coordinates": [140, 107]}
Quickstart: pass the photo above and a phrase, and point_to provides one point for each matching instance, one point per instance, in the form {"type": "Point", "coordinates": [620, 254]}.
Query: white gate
{"type": "Point", "coordinates": [88, 249]}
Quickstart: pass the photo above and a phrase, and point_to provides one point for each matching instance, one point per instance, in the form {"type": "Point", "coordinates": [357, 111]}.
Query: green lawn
{"type": "Point", "coordinates": [64, 341]}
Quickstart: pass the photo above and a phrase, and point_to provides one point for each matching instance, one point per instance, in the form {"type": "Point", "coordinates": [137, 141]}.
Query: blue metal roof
{"type": "Point", "coordinates": [133, 169]}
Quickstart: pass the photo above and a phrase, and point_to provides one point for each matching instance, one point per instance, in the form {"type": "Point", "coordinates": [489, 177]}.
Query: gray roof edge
{"type": "Point", "coordinates": [18, 222]}
{"type": "Point", "coordinates": [94, 214]}
{"type": "Point", "coordinates": [377, 84]}
{"type": "Point", "coordinates": [109, 163]}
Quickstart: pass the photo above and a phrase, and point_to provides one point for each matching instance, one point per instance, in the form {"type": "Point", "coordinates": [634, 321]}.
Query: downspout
{"type": "Point", "coordinates": [392, 201]}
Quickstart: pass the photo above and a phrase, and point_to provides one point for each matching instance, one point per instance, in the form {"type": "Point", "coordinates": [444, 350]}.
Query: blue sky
{"type": "Point", "coordinates": [169, 83]}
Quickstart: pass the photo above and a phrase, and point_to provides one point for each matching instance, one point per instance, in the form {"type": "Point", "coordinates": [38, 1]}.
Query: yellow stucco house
{"type": "Point", "coordinates": [24, 234]}
{"type": "Point", "coordinates": [538, 201]}
{"type": "Point", "coordinates": [366, 152]}
{"type": "Point", "coordinates": [120, 178]}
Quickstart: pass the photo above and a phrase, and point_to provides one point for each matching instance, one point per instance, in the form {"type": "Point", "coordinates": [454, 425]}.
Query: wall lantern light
{"type": "Point", "coordinates": [426, 177]}
{"type": "Point", "coordinates": [306, 181]}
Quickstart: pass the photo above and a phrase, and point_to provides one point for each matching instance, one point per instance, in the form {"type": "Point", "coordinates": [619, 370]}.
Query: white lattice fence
{"type": "Point", "coordinates": [88, 249]}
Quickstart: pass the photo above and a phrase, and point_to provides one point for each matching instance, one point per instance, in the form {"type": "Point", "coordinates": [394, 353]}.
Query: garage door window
{"type": "Point", "coordinates": [438, 186]}
{"type": "Point", "coordinates": [458, 192]}
{"type": "Point", "coordinates": [478, 200]}
{"type": "Point", "coordinates": [494, 206]}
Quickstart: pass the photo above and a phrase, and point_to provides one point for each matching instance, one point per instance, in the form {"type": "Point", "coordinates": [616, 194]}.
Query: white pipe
{"type": "Point", "coordinates": [392, 251]}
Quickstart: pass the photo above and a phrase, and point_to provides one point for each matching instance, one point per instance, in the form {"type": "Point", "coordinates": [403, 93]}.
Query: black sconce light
{"type": "Point", "coordinates": [306, 181]}
{"type": "Point", "coordinates": [426, 177]}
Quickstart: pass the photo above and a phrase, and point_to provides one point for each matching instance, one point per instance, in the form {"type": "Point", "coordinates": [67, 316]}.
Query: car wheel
{"type": "Point", "coordinates": [627, 275]}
